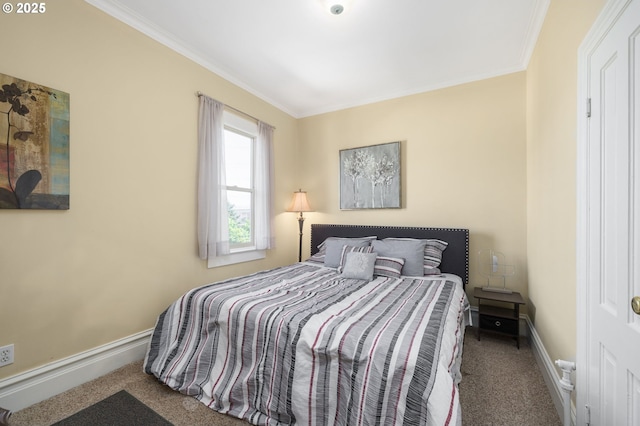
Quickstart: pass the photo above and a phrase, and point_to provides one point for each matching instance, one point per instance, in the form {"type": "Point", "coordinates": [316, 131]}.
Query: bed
{"type": "Point", "coordinates": [367, 340]}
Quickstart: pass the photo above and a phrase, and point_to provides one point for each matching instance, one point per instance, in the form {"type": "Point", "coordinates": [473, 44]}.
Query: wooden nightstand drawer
{"type": "Point", "coordinates": [502, 325]}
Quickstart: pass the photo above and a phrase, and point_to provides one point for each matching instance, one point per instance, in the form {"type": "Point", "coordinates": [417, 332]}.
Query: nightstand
{"type": "Point", "coordinates": [497, 319]}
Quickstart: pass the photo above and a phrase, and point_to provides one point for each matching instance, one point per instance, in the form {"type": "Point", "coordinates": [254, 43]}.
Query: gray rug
{"type": "Point", "coordinates": [120, 409]}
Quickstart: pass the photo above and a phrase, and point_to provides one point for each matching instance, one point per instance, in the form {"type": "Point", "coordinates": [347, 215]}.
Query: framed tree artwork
{"type": "Point", "coordinates": [370, 177]}
{"type": "Point", "coordinates": [34, 146]}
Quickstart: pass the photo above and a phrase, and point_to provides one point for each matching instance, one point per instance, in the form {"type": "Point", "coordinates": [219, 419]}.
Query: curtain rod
{"type": "Point", "coordinates": [199, 93]}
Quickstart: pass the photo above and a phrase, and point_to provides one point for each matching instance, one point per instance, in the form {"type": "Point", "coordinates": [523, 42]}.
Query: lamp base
{"type": "Point", "coordinates": [300, 226]}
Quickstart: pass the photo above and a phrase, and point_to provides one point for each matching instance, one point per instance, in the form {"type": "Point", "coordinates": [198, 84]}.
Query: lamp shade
{"type": "Point", "coordinates": [299, 202]}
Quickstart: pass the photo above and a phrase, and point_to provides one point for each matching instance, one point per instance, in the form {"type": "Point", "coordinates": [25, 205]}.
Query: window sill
{"type": "Point", "coordinates": [237, 257]}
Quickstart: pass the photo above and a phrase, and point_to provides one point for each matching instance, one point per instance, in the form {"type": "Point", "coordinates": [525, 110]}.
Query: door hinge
{"type": "Point", "coordinates": [587, 415]}
{"type": "Point", "coordinates": [588, 107]}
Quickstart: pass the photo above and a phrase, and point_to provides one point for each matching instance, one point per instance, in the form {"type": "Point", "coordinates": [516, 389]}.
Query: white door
{"type": "Point", "coordinates": [609, 383]}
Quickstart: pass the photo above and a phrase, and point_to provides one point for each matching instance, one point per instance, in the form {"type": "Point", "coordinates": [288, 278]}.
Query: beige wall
{"type": "Point", "coordinates": [551, 173]}
{"type": "Point", "coordinates": [495, 156]}
{"type": "Point", "coordinates": [463, 163]}
{"type": "Point", "coordinates": [73, 280]}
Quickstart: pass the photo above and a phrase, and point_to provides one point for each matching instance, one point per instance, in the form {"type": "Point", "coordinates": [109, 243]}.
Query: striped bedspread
{"type": "Point", "coordinates": [302, 345]}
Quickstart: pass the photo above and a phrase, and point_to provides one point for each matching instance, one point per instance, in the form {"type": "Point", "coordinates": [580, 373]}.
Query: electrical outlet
{"type": "Point", "coordinates": [6, 355]}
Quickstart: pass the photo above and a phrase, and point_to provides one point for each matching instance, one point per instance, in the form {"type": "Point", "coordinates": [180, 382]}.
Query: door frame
{"type": "Point", "coordinates": [601, 27]}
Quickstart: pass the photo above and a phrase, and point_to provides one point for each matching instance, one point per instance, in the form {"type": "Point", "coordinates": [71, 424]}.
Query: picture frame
{"type": "Point", "coordinates": [370, 177]}
{"type": "Point", "coordinates": [34, 146]}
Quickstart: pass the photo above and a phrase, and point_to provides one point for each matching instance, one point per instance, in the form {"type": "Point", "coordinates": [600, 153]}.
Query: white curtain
{"type": "Point", "coordinates": [213, 228]}
{"type": "Point", "coordinates": [265, 237]}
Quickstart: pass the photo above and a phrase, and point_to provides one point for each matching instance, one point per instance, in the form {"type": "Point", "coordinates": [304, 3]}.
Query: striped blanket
{"type": "Point", "coordinates": [302, 345]}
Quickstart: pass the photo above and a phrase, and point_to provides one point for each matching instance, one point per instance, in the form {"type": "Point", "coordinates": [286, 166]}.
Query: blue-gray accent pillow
{"type": "Point", "coordinates": [412, 251]}
{"type": "Point", "coordinates": [332, 247]}
{"type": "Point", "coordinates": [432, 253]}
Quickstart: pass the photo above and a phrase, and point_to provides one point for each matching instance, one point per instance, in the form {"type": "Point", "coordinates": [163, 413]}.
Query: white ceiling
{"type": "Point", "coordinates": [300, 58]}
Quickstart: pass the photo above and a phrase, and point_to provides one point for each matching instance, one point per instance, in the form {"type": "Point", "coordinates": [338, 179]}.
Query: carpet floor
{"type": "Point", "coordinates": [501, 386]}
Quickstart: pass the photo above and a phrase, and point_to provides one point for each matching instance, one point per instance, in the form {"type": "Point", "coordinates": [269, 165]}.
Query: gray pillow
{"type": "Point", "coordinates": [333, 248]}
{"type": "Point", "coordinates": [412, 251]}
{"type": "Point", "coordinates": [432, 253]}
{"type": "Point", "coordinates": [359, 266]}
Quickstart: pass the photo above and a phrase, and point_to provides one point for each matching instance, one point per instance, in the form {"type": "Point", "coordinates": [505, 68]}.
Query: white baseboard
{"type": "Point", "coordinates": [549, 372]}
{"type": "Point", "coordinates": [25, 389]}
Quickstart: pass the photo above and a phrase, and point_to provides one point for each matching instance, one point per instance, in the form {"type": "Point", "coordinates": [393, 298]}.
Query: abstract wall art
{"type": "Point", "coordinates": [370, 177]}
{"type": "Point", "coordinates": [34, 146]}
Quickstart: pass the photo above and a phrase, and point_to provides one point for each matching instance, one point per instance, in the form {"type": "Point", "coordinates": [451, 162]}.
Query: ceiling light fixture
{"type": "Point", "coordinates": [336, 9]}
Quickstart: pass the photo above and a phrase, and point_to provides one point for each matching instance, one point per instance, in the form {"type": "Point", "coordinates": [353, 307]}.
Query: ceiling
{"type": "Point", "coordinates": [300, 58]}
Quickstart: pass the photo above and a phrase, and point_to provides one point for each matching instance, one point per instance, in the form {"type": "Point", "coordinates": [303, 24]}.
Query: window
{"type": "Point", "coordinates": [239, 166]}
{"type": "Point", "coordinates": [235, 180]}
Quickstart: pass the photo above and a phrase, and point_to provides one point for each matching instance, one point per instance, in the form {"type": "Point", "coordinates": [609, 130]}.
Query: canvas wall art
{"type": "Point", "coordinates": [370, 177]}
{"type": "Point", "coordinates": [34, 146]}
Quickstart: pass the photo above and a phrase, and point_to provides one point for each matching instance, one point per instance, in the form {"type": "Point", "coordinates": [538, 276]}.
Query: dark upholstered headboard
{"type": "Point", "coordinates": [455, 259]}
